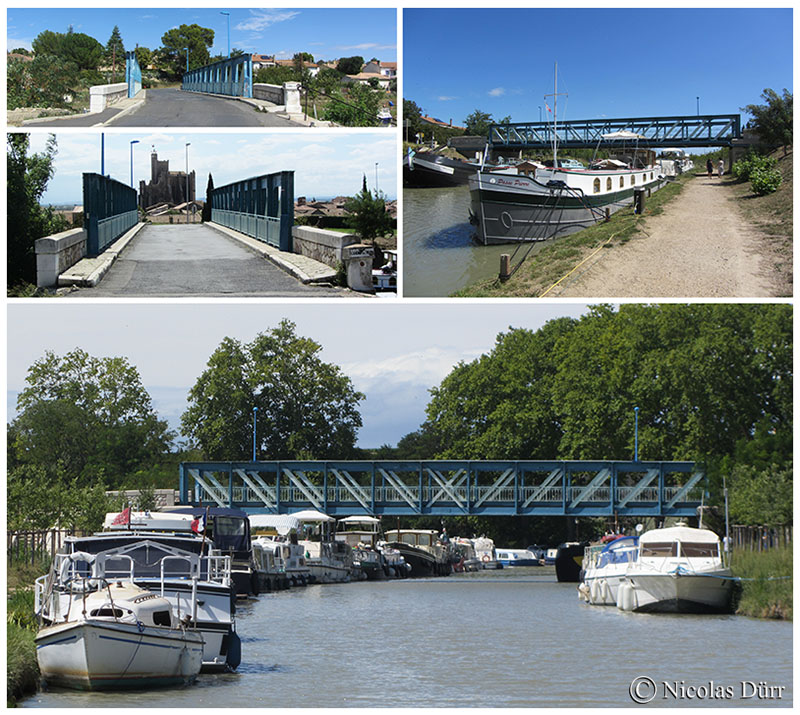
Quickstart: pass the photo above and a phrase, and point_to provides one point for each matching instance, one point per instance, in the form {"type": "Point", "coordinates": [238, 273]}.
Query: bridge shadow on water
{"type": "Point", "coordinates": [461, 235]}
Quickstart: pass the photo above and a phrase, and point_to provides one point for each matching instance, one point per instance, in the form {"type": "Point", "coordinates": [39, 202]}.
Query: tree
{"type": "Point", "coordinates": [91, 415]}
{"type": "Point", "coordinates": [369, 216]}
{"type": "Point", "coordinates": [307, 408]}
{"type": "Point", "coordinates": [48, 42]}
{"type": "Point", "coordinates": [350, 65]}
{"type": "Point", "coordinates": [478, 123]}
{"type": "Point", "coordinates": [412, 118]}
{"type": "Point", "coordinates": [27, 179]}
{"type": "Point", "coordinates": [206, 214]}
{"type": "Point", "coordinates": [306, 56]}
{"type": "Point", "coordinates": [173, 55]}
{"type": "Point", "coordinates": [773, 121]}
{"type": "Point", "coordinates": [82, 50]}
{"type": "Point", "coordinates": [115, 51]}
{"type": "Point", "coordinates": [359, 108]}
{"type": "Point", "coordinates": [44, 82]}
{"type": "Point", "coordinates": [144, 57]}
{"type": "Point", "coordinates": [21, 51]}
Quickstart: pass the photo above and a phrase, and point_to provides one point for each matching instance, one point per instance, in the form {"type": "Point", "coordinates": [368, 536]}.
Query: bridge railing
{"type": "Point", "coordinates": [261, 207]}
{"type": "Point", "coordinates": [110, 210]}
{"type": "Point", "coordinates": [232, 76]}
{"type": "Point", "coordinates": [133, 74]}
{"type": "Point", "coordinates": [677, 131]}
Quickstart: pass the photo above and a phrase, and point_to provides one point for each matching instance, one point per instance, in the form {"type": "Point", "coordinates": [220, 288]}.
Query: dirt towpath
{"type": "Point", "coordinates": [700, 246]}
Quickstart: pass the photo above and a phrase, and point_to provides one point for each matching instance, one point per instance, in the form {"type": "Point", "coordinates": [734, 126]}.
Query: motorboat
{"type": "Point", "coordinates": [485, 553]}
{"type": "Point", "coordinates": [569, 561]}
{"type": "Point", "coordinates": [155, 551]}
{"type": "Point", "coordinates": [604, 567]}
{"type": "Point", "coordinates": [118, 636]}
{"type": "Point", "coordinates": [516, 557]}
{"type": "Point", "coordinates": [678, 569]}
{"type": "Point", "coordinates": [328, 560]}
{"type": "Point", "coordinates": [280, 558]}
{"type": "Point", "coordinates": [362, 534]}
{"type": "Point", "coordinates": [464, 556]}
{"type": "Point", "coordinates": [422, 550]}
{"type": "Point", "coordinates": [385, 277]}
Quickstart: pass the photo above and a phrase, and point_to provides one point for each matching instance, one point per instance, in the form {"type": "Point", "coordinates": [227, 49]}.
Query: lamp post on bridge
{"type": "Point", "coordinates": [133, 141]}
{"type": "Point", "coordinates": [187, 59]}
{"type": "Point", "coordinates": [636, 435]}
{"type": "Point", "coordinates": [188, 144]}
{"type": "Point", "coordinates": [255, 413]}
{"type": "Point", "coordinates": [698, 106]}
{"type": "Point", "coordinates": [376, 178]}
{"type": "Point", "coordinates": [222, 12]}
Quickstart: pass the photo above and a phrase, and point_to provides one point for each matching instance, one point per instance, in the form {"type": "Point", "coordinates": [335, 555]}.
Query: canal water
{"type": "Point", "coordinates": [439, 252]}
{"type": "Point", "coordinates": [510, 638]}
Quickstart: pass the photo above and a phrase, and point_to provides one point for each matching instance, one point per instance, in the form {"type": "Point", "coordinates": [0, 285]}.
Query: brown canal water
{"type": "Point", "coordinates": [510, 638]}
{"type": "Point", "coordinates": [439, 252]}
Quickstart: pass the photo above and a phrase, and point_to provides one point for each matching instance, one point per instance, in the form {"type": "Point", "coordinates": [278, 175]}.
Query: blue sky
{"type": "Point", "coordinates": [325, 33]}
{"type": "Point", "coordinates": [393, 353]}
{"type": "Point", "coordinates": [613, 62]}
{"type": "Point", "coordinates": [326, 164]}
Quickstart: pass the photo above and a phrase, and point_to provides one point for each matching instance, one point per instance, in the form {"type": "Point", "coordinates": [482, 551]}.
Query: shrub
{"type": "Point", "coordinates": [745, 167]}
{"type": "Point", "coordinates": [765, 181]}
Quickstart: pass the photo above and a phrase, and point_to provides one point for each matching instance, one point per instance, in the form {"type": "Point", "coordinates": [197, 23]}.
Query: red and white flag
{"type": "Point", "coordinates": [199, 524]}
{"type": "Point", "coordinates": [124, 517]}
{"type": "Point", "coordinates": [548, 108]}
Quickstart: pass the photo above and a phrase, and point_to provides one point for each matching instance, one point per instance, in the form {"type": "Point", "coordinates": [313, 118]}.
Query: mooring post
{"type": "Point", "coordinates": [505, 271]}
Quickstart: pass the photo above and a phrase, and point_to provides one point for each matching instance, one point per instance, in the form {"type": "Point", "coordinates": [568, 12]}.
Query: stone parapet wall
{"type": "Point", "coordinates": [321, 245]}
{"type": "Point", "coordinates": [101, 95]}
{"type": "Point", "coordinates": [163, 497]}
{"type": "Point", "coordinates": [269, 92]}
{"type": "Point", "coordinates": [56, 253]}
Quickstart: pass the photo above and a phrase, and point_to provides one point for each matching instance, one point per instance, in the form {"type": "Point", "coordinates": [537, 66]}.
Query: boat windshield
{"type": "Point", "coordinates": [654, 548]}
{"type": "Point", "coordinates": [701, 550]}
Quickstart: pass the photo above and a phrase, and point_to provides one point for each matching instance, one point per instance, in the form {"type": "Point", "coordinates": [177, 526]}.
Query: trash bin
{"type": "Point", "coordinates": [357, 259]}
{"type": "Point", "coordinates": [638, 200]}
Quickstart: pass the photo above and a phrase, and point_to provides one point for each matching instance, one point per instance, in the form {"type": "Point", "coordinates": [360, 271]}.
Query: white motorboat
{"type": "Point", "coordinates": [422, 550]}
{"type": "Point", "coordinates": [118, 636]}
{"type": "Point", "coordinates": [464, 557]}
{"type": "Point", "coordinates": [329, 561]}
{"type": "Point", "coordinates": [677, 570]}
{"type": "Point", "coordinates": [362, 534]}
{"type": "Point", "coordinates": [485, 553]}
{"type": "Point", "coordinates": [604, 567]}
{"type": "Point", "coordinates": [277, 551]}
{"type": "Point", "coordinates": [155, 554]}
{"type": "Point", "coordinates": [516, 557]}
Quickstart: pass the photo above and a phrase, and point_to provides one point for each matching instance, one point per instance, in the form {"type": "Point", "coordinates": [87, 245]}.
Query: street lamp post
{"type": "Point", "coordinates": [222, 12]}
{"type": "Point", "coordinates": [698, 106]}
{"type": "Point", "coordinates": [255, 413]}
{"type": "Point", "coordinates": [134, 141]}
{"type": "Point", "coordinates": [188, 144]}
{"type": "Point", "coordinates": [376, 178]}
{"type": "Point", "coordinates": [187, 59]}
{"type": "Point", "coordinates": [636, 435]}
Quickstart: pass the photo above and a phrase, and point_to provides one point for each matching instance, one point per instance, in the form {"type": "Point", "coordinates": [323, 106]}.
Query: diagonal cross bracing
{"type": "Point", "coordinates": [447, 486]}
{"type": "Point", "coordinates": [310, 492]}
{"type": "Point", "coordinates": [261, 490]}
{"type": "Point", "coordinates": [640, 487]}
{"type": "Point", "coordinates": [592, 487]}
{"type": "Point", "coordinates": [353, 488]}
{"type": "Point", "coordinates": [401, 488]}
{"type": "Point", "coordinates": [209, 489]}
{"type": "Point", "coordinates": [503, 481]}
{"type": "Point", "coordinates": [537, 493]}
{"type": "Point", "coordinates": [684, 490]}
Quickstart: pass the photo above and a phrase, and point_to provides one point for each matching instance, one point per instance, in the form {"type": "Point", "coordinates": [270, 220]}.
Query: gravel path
{"type": "Point", "coordinates": [700, 246]}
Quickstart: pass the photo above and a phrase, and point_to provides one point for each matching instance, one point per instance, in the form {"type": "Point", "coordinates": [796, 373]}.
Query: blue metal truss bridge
{"type": "Point", "coordinates": [655, 132]}
{"type": "Point", "coordinates": [448, 487]}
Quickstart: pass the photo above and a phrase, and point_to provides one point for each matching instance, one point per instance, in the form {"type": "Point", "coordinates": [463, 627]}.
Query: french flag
{"type": "Point", "coordinates": [199, 524]}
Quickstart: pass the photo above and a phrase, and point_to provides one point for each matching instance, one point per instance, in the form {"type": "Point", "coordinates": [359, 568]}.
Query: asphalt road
{"type": "Point", "coordinates": [176, 108]}
{"type": "Point", "coordinates": [194, 260]}
{"type": "Point", "coordinates": [84, 120]}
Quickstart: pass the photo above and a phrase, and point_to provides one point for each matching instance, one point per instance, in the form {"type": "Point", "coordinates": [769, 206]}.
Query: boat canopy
{"type": "Point", "coordinates": [679, 533]}
{"type": "Point", "coordinates": [622, 134]}
{"type": "Point", "coordinates": [281, 523]}
{"type": "Point", "coordinates": [359, 520]}
{"type": "Point", "coordinates": [150, 521]}
{"type": "Point", "coordinates": [311, 515]}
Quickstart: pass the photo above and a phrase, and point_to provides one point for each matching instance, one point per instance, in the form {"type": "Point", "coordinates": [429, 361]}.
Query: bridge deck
{"type": "Point", "coordinates": [448, 487]}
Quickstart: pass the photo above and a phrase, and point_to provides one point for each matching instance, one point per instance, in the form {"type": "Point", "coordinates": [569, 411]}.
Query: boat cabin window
{"type": "Point", "coordinates": [408, 539]}
{"type": "Point", "coordinates": [667, 548]}
{"type": "Point", "coordinates": [608, 184]}
{"type": "Point", "coordinates": [633, 178]}
{"type": "Point", "coordinates": [596, 186]}
{"type": "Point", "coordinates": [162, 618]}
{"type": "Point", "coordinates": [107, 612]}
{"type": "Point", "coordinates": [228, 526]}
{"type": "Point", "coordinates": [424, 539]}
{"type": "Point", "coordinates": [651, 176]}
{"type": "Point", "coordinates": [707, 550]}
{"type": "Point", "coordinates": [621, 181]}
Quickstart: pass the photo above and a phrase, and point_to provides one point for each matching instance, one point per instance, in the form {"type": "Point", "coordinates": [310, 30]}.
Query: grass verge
{"type": "Point", "coordinates": [769, 593]}
{"type": "Point", "coordinates": [555, 260]}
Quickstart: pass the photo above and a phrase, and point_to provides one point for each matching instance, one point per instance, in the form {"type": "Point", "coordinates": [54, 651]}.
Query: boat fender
{"type": "Point", "coordinates": [556, 184]}
{"type": "Point", "coordinates": [140, 625]}
{"type": "Point", "coordinates": [594, 596]}
{"type": "Point", "coordinates": [254, 585]}
{"type": "Point", "coordinates": [234, 656]}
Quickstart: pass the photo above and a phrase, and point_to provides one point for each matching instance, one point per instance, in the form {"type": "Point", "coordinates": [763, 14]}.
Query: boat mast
{"type": "Point", "coordinates": [555, 114]}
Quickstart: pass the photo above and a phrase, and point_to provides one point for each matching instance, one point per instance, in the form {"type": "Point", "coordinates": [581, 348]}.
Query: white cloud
{"type": "Point", "coordinates": [497, 92]}
{"type": "Point", "coordinates": [446, 99]}
{"type": "Point", "coordinates": [262, 19]}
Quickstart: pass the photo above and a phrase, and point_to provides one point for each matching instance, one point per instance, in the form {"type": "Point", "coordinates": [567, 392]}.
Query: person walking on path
{"type": "Point", "coordinates": [709, 168]}
{"type": "Point", "coordinates": [721, 167]}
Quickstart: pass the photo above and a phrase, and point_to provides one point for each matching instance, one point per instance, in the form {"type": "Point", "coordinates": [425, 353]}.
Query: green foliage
{"type": "Point", "coordinates": [20, 606]}
{"type": "Point", "coordinates": [81, 50]}
{"type": "Point", "coordinates": [759, 497]}
{"type": "Point", "coordinates": [144, 57]}
{"type": "Point", "coordinates": [115, 49]}
{"type": "Point", "coordinates": [277, 75]}
{"type": "Point", "coordinates": [21, 665]}
{"type": "Point", "coordinates": [359, 108]}
{"type": "Point", "coordinates": [48, 42]}
{"type": "Point", "coordinates": [305, 56]}
{"type": "Point", "coordinates": [206, 213]}
{"type": "Point", "coordinates": [44, 82]}
{"type": "Point", "coordinates": [773, 121]}
{"type": "Point", "coordinates": [412, 117]}
{"type": "Point", "coordinates": [306, 408]}
{"type": "Point", "coordinates": [21, 51]}
{"type": "Point", "coordinates": [478, 123]}
{"type": "Point", "coordinates": [27, 179]}
{"type": "Point", "coordinates": [90, 415]}
{"type": "Point", "coordinates": [752, 162]}
{"type": "Point", "coordinates": [765, 181]}
{"type": "Point", "coordinates": [350, 65]}
{"type": "Point", "coordinates": [327, 80]}
{"type": "Point", "coordinates": [769, 593]}
{"type": "Point", "coordinates": [368, 214]}
{"type": "Point", "coordinates": [172, 56]}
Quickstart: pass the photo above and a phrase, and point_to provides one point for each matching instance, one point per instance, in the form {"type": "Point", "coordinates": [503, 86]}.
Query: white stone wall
{"type": "Point", "coordinates": [56, 253]}
{"type": "Point", "coordinates": [269, 92]}
{"type": "Point", "coordinates": [321, 245]}
{"type": "Point", "coordinates": [101, 95]}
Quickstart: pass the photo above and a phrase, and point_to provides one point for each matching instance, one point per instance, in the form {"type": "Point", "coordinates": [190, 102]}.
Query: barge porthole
{"type": "Point", "coordinates": [506, 220]}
